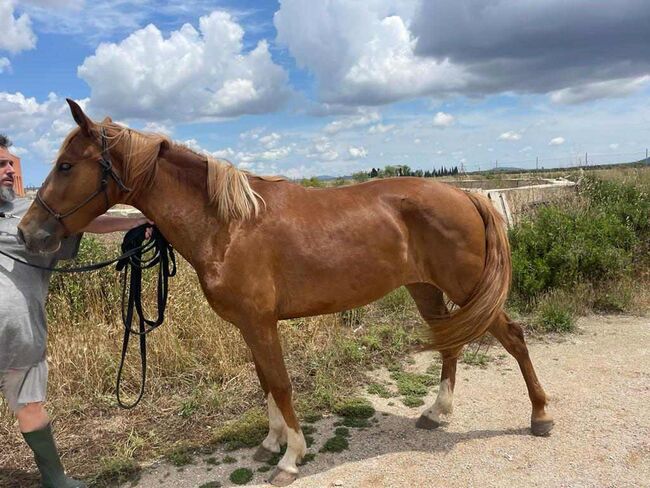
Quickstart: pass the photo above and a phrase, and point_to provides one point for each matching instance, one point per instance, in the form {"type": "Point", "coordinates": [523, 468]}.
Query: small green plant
{"type": "Point", "coordinates": [397, 301]}
{"type": "Point", "coordinates": [357, 408]}
{"type": "Point", "coordinates": [555, 313]}
{"type": "Point", "coordinates": [247, 431]}
{"type": "Point", "coordinates": [213, 461]}
{"type": "Point", "coordinates": [413, 384]}
{"type": "Point", "coordinates": [229, 460]}
{"type": "Point", "coordinates": [342, 431]}
{"type": "Point", "coordinates": [379, 390]}
{"type": "Point", "coordinates": [335, 444]}
{"type": "Point", "coordinates": [180, 456]}
{"type": "Point", "coordinates": [476, 358]}
{"type": "Point", "coordinates": [241, 476]}
{"type": "Point", "coordinates": [310, 456]}
{"type": "Point", "coordinates": [412, 401]}
{"type": "Point", "coordinates": [354, 422]}
{"type": "Point", "coordinates": [264, 468]}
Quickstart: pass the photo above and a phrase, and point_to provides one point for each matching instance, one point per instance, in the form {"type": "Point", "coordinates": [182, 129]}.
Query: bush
{"type": "Point", "coordinates": [593, 243]}
{"type": "Point", "coordinates": [555, 313]}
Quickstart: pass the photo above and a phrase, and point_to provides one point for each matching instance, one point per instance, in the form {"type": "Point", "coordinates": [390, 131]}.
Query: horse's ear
{"type": "Point", "coordinates": [80, 117]}
{"type": "Point", "coordinates": [164, 146]}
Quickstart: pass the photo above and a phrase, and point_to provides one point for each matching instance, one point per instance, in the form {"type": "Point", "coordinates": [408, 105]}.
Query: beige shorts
{"type": "Point", "coordinates": [23, 386]}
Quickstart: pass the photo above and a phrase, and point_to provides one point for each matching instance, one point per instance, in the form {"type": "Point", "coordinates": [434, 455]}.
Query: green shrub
{"type": "Point", "coordinates": [596, 242]}
{"type": "Point", "coordinates": [555, 313]}
{"type": "Point", "coordinates": [241, 476]}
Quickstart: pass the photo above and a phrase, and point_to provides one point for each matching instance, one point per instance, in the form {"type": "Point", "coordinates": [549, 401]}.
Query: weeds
{"type": "Point", "coordinates": [241, 476]}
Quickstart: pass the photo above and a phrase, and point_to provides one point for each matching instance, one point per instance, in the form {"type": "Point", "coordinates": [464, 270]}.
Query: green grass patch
{"type": "Point", "coordinates": [180, 456]}
{"type": "Point", "coordinates": [307, 458]}
{"type": "Point", "coordinates": [249, 430]}
{"type": "Point", "coordinates": [213, 461]}
{"type": "Point", "coordinates": [241, 476]}
{"type": "Point", "coordinates": [342, 431]}
{"type": "Point", "coordinates": [356, 423]}
{"type": "Point", "coordinates": [555, 313]}
{"type": "Point", "coordinates": [229, 460]}
{"type": "Point", "coordinates": [413, 384]}
{"type": "Point", "coordinates": [308, 429]}
{"type": "Point", "coordinates": [412, 401]}
{"type": "Point", "coordinates": [264, 468]}
{"type": "Point", "coordinates": [335, 444]}
{"type": "Point", "coordinates": [476, 358]}
{"type": "Point", "coordinates": [116, 470]}
{"type": "Point", "coordinates": [356, 408]}
{"type": "Point", "coordinates": [379, 390]}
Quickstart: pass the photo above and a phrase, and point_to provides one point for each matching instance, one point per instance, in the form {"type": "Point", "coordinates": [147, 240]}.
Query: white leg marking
{"type": "Point", "coordinates": [296, 449]}
{"type": "Point", "coordinates": [277, 427]}
{"type": "Point", "coordinates": [443, 404]}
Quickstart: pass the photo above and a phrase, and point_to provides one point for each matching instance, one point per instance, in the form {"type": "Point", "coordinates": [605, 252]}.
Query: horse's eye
{"type": "Point", "coordinates": [65, 166]}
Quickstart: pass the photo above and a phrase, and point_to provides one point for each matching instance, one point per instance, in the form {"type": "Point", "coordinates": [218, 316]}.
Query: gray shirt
{"type": "Point", "coordinates": [23, 289]}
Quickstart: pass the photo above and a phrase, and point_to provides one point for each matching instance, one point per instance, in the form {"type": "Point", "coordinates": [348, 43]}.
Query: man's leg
{"type": "Point", "coordinates": [25, 392]}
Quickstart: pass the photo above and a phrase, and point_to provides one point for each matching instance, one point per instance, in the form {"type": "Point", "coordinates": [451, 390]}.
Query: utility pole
{"type": "Point", "coordinates": [586, 160]}
{"type": "Point", "coordinates": [536, 162]}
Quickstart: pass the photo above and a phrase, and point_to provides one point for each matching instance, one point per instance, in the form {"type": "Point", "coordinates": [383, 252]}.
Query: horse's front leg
{"type": "Point", "coordinates": [263, 340]}
{"type": "Point", "coordinates": [277, 435]}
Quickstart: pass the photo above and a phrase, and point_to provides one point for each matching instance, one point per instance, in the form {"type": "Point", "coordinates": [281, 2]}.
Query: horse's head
{"type": "Point", "coordinates": [84, 182]}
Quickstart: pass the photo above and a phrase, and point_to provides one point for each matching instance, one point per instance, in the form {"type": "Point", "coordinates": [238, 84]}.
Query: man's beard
{"type": "Point", "coordinates": [7, 194]}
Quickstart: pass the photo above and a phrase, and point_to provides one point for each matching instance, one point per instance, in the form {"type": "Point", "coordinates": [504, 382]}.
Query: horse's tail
{"type": "Point", "coordinates": [476, 315]}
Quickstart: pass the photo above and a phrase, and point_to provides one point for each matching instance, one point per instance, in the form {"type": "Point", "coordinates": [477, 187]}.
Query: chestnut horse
{"type": "Point", "coordinates": [266, 249]}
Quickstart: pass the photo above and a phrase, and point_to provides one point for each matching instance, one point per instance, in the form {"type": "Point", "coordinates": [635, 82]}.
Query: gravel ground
{"type": "Point", "coordinates": [599, 384]}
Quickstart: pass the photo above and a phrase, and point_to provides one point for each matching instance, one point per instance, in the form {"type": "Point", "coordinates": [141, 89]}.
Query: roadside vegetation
{"type": "Point", "coordinates": [587, 254]}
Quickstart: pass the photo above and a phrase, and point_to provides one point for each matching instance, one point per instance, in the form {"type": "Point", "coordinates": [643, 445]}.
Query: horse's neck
{"type": "Point", "coordinates": [177, 203]}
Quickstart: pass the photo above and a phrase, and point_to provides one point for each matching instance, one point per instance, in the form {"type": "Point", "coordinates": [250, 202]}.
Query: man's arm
{"type": "Point", "coordinates": [108, 223]}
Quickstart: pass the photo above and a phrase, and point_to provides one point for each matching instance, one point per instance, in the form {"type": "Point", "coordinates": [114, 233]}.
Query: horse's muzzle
{"type": "Point", "coordinates": [43, 239]}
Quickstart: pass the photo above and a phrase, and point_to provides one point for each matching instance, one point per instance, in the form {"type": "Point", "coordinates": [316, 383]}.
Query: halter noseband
{"type": "Point", "coordinates": [107, 172]}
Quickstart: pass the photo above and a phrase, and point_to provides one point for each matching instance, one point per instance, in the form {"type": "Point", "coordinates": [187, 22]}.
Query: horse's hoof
{"type": "Point", "coordinates": [541, 427]}
{"type": "Point", "coordinates": [282, 478]}
{"type": "Point", "coordinates": [425, 422]}
{"type": "Point", "coordinates": [262, 454]}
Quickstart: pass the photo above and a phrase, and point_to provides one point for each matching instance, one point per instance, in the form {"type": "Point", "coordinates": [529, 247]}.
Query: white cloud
{"type": "Point", "coordinates": [362, 119]}
{"type": "Point", "coordinates": [613, 146]}
{"type": "Point", "coordinates": [443, 119]}
{"type": "Point", "coordinates": [362, 52]}
{"type": "Point", "coordinates": [158, 127]}
{"type": "Point", "coordinates": [5, 64]}
{"type": "Point", "coordinates": [602, 89]}
{"type": "Point", "coordinates": [55, 4]}
{"type": "Point", "coordinates": [380, 128]}
{"type": "Point", "coordinates": [556, 141]}
{"type": "Point", "coordinates": [190, 75]}
{"type": "Point", "coordinates": [510, 136]}
{"type": "Point", "coordinates": [357, 152]}
{"type": "Point", "coordinates": [16, 32]}
{"type": "Point", "coordinates": [271, 140]}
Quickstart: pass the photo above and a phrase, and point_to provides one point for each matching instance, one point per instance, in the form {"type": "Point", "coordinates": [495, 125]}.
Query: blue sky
{"type": "Point", "coordinates": [304, 88]}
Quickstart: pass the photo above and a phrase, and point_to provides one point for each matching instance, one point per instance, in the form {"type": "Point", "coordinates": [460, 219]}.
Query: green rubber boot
{"type": "Point", "coordinates": [48, 460]}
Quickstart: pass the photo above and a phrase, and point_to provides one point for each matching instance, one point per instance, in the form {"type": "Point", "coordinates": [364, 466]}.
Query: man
{"type": "Point", "coordinates": [23, 330]}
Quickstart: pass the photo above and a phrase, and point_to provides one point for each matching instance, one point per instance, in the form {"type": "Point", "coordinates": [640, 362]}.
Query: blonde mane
{"type": "Point", "coordinates": [230, 191]}
{"type": "Point", "coordinates": [228, 188]}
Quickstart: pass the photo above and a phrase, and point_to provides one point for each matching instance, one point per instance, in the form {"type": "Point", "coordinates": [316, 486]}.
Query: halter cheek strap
{"type": "Point", "coordinates": [107, 172]}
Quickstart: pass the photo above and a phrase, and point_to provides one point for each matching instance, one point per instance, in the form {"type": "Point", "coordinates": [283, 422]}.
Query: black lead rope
{"type": "Point", "coordinates": [132, 265]}
{"type": "Point", "coordinates": [137, 255]}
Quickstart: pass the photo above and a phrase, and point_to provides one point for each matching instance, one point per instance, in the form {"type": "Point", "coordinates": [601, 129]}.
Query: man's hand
{"type": "Point", "coordinates": [105, 224]}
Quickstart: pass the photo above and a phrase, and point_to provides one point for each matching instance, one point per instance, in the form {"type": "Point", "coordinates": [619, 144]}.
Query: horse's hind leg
{"type": "Point", "coordinates": [511, 335]}
{"type": "Point", "coordinates": [431, 303]}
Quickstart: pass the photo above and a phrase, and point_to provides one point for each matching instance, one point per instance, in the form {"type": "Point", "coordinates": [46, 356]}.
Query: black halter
{"type": "Point", "coordinates": [107, 172]}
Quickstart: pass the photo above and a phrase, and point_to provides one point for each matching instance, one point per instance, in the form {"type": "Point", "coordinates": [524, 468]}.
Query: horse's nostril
{"type": "Point", "coordinates": [21, 236]}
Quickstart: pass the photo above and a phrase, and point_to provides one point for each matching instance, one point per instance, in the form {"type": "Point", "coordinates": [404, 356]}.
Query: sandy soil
{"type": "Point", "coordinates": [599, 384]}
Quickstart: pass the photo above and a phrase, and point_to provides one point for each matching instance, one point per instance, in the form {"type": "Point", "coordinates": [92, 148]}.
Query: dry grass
{"type": "Point", "coordinates": [199, 373]}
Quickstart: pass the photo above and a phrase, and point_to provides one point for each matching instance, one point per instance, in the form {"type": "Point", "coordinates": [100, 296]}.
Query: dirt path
{"type": "Point", "coordinates": [599, 383]}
